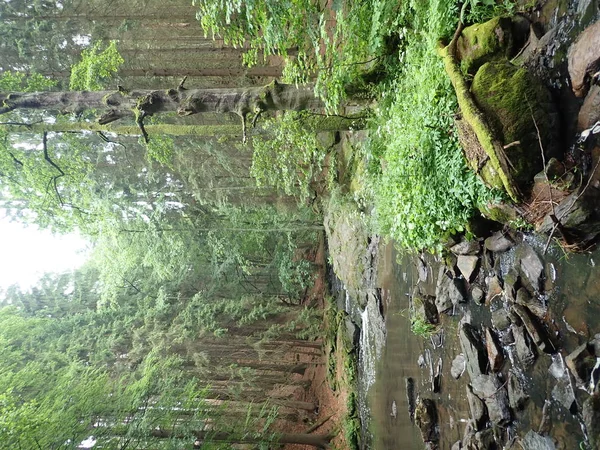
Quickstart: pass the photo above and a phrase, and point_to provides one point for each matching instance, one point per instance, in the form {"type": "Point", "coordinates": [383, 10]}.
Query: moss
{"type": "Point", "coordinates": [472, 114]}
{"type": "Point", "coordinates": [511, 99]}
{"type": "Point", "coordinates": [483, 42]}
{"type": "Point", "coordinates": [500, 212]}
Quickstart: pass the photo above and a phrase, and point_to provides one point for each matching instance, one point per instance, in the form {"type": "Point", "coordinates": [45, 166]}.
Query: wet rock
{"type": "Point", "coordinates": [466, 248]}
{"type": "Point", "coordinates": [535, 330]}
{"type": "Point", "coordinates": [484, 440]}
{"type": "Point", "coordinates": [495, 290]}
{"type": "Point", "coordinates": [467, 266]}
{"type": "Point", "coordinates": [591, 419]}
{"type": "Point", "coordinates": [449, 291]}
{"type": "Point", "coordinates": [422, 269]}
{"type": "Point", "coordinates": [500, 319]}
{"type": "Point", "coordinates": [498, 242]}
{"type": "Point", "coordinates": [458, 366]}
{"type": "Point", "coordinates": [352, 330]}
{"type": "Point", "coordinates": [533, 304]}
{"type": "Point", "coordinates": [530, 265]}
{"type": "Point", "coordinates": [489, 389]}
{"type": "Point", "coordinates": [581, 362]}
{"type": "Point", "coordinates": [524, 350]}
{"type": "Point", "coordinates": [516, 393]}
{"type": "Point", "coordinates": [584, 59]}
{"type": "Point", "coordinates": [563, 394]}
{"type": "Point", "coordinates": [511, 282]}
{"type": "Point", "coordinates": [589, 113]}
{"type": "Point", "coordinates": [477, 407]}
{"type": "Point", "coordinates": [534, 441]}
{"type": "Point", "coordinates": [411, 398]}
{"type": "Point", "coordinates": [473, 350]}
{"type": "Point", "coordinates": [426, 309]}
{"type": "Point", "coordinates": [426, 419]}
{"type": "Point", "coordinates": [578, 215]}
{"type": "Point", "coordinates": [494, 351]}
{"type": "Point", "coordinates": [477, 295]}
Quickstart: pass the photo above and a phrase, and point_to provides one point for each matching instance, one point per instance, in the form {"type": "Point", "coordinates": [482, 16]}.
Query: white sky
{"type": "Point", "coordinates": [26, 253]}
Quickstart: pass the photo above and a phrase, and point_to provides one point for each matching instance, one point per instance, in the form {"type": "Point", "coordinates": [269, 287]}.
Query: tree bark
{"type": "Point", "coordinates": [272, 97]}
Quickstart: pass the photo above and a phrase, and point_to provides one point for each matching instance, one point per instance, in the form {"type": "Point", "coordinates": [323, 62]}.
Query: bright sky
{"type": "Point", "coordinates": [26, 253]}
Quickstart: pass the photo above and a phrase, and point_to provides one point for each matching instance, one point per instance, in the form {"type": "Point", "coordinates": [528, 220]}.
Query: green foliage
{"type": "Point", "coordinates": [96, 67]}
{"type": "Point", "coordinates": [160, 148]}
{"type": "Point", "coordinates": [335, 46]}
{"type": "Point", "coordinates": [423, 190]}
{"type": "Point", "coordinates": [482, 10]}
{"type": "Point", "coordinates": [22, 82]}
{"type": "Point", "coordinates": [290, 156]}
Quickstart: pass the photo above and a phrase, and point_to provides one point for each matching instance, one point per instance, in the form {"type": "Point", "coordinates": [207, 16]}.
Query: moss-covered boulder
{"type": "Point", "coordinates": [484, 42]}
{"type": "Point", "coordinates": [514, 102]}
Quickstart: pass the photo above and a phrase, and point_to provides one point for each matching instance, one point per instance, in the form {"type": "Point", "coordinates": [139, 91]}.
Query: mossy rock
{"type": "Point", "coordinates": [484, 42]}
{"type": "Point", "coordinates": [514, 102]}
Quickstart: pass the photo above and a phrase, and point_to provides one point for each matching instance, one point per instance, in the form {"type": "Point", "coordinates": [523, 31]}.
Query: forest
{"type": "Point", "coordinates": [204, 148]}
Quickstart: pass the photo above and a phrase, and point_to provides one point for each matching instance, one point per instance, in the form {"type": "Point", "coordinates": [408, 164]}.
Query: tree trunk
{"type": "Point", "coordinates": [272, 97]}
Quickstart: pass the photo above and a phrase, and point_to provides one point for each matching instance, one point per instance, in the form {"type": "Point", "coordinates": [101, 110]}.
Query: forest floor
{"type": "Point", "coordinates": [332, 376]}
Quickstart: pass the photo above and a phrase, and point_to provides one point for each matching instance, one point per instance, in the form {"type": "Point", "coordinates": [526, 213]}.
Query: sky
{"type": "Point", "coordinates": [26, 253]}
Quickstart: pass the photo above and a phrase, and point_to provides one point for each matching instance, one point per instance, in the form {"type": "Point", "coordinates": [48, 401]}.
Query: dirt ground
{"type": "Point", "coordinates": [332, 406]}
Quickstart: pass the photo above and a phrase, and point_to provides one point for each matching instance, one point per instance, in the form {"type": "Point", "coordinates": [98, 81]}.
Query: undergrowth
{"type": "Point", "coordinates": [419, 182]}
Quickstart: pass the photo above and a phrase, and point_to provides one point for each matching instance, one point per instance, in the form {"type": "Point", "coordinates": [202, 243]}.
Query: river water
{"type": "Point", "coordinates": [390, 352]}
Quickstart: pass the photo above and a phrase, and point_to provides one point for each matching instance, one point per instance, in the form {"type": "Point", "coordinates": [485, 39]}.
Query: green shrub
{"type": "Point", "coordinates": [420, 183]}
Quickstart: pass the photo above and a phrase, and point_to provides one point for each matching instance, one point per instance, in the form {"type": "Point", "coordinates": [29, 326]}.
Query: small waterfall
{"type": "Point", "coordinates": [372, 343]}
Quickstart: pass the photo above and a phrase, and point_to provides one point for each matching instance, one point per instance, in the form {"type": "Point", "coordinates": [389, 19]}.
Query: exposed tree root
{"type": "Point", "coordinates": [475, 117]}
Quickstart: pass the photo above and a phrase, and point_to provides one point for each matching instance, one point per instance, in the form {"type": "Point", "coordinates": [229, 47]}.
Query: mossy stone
{"type": "Point", "coordinates": [514, 102]}
{"type": "Point", "coordinates": [484, 42]}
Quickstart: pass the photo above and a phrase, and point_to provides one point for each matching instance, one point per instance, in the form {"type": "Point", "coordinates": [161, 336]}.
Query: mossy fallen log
{"type": "Point", "coordinates": [473, 115]}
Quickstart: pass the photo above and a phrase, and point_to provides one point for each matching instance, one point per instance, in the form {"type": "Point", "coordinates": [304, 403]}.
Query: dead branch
{"type": "Point", "coordinates": [53, 164]}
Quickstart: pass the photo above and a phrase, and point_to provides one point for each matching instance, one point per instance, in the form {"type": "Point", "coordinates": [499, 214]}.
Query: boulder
{"type": "Point", "coordinates": [426, 419]}
{"type": "Point", "coordinates": [589, 113]}
{"type": "Point", "coordinates": [477, 407]}
{"type": "Point", "coordinates": [492, 391]}
{"type": "Point", "coordinates": [484, 42]}
{"type": "Point", "coordinates": [530, 265]}
{"type": "Point", "coordinates": [426, 309]}
{"type": "Point", "coordinates": [591, 419]}
{"type": "Point", "coordinates": [578, 216]}
{"type": "Point", "coordinates": [466, 248]}
{"type": "Point", "coordinates": [494, 351]}
{"type": "Point", "coordinates": [581, 362]}
{"type": "Point", "coordinates": [535, 330]}
{"type": "Point", "coordinates": [352, 330]}
{"type": "Point", "coordinates": [467, 265]}
{"type": "Point", "coordinates": [494, 288]}
{"type": "Point", "coordinates": [533, 304]}
{"type": "Point", "coordinates": [584, 59]}
{"type": "Point", "coordinates": [458, 366]}
{"type": "Point", "coordinates": [516, 394]}
{"type": "Point", "coordinates": [564, 395]}
{"type": "Point", "coordinates": [534, 441]}
{"type": "Point", "coordinates": [511, 281]}
{"type": "Point", "coordinates": [498, 242]}
{"type": "Point", "coordinates": [472, 348]}
{"type": "Point", "coordinates": [513, 102]}
{"type": "Point", "coordinates": [524, 350]}
{"type": "Point", "coordinates": [500, 319]}
{"type": "Point", "coordinates": [450, 291]}
{"type": "Point", "coordinates": [477, 295]}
